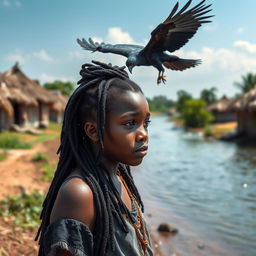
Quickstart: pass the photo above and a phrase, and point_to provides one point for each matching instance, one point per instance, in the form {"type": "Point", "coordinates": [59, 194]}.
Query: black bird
{"type": "Point", "coordinates": [169, 36]}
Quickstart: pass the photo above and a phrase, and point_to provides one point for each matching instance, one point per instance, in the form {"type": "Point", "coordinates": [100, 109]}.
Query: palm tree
{"type": "Point", "coordinates": [209, 95]}
{"type": "Point", "coordinates": [248, 82]}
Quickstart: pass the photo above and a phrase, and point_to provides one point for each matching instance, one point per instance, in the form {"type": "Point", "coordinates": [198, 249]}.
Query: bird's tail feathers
{"type": "Point", "coordinates": [181, 64]}
{"type": "Point", "coordinates": [88, 45]}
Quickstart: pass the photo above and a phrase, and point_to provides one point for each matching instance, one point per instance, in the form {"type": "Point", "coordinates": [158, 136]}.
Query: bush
{"type": "Point", "coordinates": [48, 170]}
{"type": "Point", "coordinates": [40, 157]}
{"type": "Point", "coordinates": [195, 115]}
{"type": "Point", "coordinates": [8, 141]}
{"type": "Point", "coordinates": [25, 207]}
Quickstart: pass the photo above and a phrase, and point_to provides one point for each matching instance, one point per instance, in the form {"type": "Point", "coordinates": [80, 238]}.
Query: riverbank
{"type": "Point", "coordinates": [214, 130]}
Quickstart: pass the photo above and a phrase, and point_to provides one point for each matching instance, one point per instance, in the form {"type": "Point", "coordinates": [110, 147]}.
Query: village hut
{"type": "Point", "coordinates": [57, 108]}
{"type": "Point", "coordinates": [30, 102]}
{"type": "Point", "coordinates": [221, 111]}
{"type": "Point", "coordinates": [6, 109]}
{"type": "Point", "coordinates": [245, 107]}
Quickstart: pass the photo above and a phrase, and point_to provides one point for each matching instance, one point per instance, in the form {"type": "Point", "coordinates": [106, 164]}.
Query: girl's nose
{"type": "Point", "coordinates": [142, 134]}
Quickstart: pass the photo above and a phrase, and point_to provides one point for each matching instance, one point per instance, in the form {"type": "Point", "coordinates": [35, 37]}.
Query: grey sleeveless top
{"type": "Point", "coordinates": [76, 237]}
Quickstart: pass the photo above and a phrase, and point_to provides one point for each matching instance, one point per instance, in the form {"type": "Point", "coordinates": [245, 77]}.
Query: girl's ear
{"type": "Point", "coordinates": [90, 129]}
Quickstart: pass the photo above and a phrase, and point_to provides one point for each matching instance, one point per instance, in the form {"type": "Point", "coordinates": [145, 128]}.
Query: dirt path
{"type": "Point", "coordinates": [19, 173]}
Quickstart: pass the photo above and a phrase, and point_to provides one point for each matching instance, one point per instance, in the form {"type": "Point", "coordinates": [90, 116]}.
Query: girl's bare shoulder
{"type": "Point", "coordinates": [74, 201]}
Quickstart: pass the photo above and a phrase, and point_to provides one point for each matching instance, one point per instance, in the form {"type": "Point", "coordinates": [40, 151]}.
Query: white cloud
{"type": "Point", "coordinates": [44, 78]}
{"type": "Point", "coordinates": [244, 45]}
{"type": "Point", "coordinates": [117, 36]}
{"type": "Point", "coordinates": [43, 55]}
{"type": "Point", "coordinates": [17, 56]}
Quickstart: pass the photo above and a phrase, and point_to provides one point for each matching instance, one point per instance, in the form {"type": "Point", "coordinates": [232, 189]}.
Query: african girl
{"type": "Point", "coordinates": [93, 206]}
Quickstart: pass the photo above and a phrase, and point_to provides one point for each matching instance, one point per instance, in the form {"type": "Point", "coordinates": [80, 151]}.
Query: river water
{"type": "Point", "coordinates": [206, 189]}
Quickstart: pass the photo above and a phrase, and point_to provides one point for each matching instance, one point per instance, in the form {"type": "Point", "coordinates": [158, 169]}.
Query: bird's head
{"type": "Point", "coordinates": [131, 63]}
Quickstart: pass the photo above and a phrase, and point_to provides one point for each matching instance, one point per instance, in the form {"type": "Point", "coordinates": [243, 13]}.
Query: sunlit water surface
{"type": "Point", "coordinates": [207, 189]}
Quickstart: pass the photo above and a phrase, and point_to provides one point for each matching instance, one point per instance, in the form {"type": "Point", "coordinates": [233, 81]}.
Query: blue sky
{"type": "Point", "coordinates": [41, 35]}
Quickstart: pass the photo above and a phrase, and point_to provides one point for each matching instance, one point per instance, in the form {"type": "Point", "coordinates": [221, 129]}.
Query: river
{"type": "Point", "coordinates": [207, 189]}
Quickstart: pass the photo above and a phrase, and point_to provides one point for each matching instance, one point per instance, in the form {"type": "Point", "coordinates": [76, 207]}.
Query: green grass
{"type": "Point", "coordinates": [25, 208]}
{"type": "Point", "coordinates": [3, 155]}
{"type": "Point", "coordinates": [40, 157]}
{"type": "Point", "coordinates": [9, 141]}
{"type": "Point", "coordinates": [45, 137]}
{"type": "Point", "coordinates": [54, 127]}
{"type": "Point", "coordinates": [48, 171]}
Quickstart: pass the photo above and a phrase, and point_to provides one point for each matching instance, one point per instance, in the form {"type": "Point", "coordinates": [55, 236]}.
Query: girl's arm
{"type": "Point", "coordinates": [74, 201]}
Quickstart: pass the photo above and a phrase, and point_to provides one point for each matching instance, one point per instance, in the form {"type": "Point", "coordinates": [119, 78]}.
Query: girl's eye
{"type": "Point", "coordinates": [147, 122]}
{"type": "Point", "coordinates": [129, 123]}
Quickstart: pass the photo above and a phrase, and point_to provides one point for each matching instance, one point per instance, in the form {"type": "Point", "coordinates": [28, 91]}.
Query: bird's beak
{"type": "Point", "coordinates": [130, 68]}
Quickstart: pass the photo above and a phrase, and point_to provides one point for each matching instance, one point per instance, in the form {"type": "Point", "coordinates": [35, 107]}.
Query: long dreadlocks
{"type": "Point", "coordinates": [90, 100]}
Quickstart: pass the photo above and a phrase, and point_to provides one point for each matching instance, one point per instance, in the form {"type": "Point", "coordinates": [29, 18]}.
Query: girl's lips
{"type": "Point", "coordinates": [142, 149]}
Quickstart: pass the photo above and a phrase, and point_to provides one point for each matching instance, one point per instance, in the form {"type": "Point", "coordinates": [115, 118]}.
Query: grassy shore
{"type": "Point", "coordinates": [214, 130]}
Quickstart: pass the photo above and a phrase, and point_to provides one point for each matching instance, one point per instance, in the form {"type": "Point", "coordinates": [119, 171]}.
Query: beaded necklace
{"type": "Point", "coordinates": [139, 227]}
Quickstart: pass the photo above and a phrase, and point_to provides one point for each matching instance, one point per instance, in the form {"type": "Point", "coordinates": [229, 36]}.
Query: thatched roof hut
{"type": "Point", "coordinates": [58, 107]}
{"type": "Point", "coordinates": [15, 78]}
{"type": "Point", "coordinates": [60, 101]}
{"type": "Point", "coordinates": [246, 102]}
{"type": "Point", "coordinates": [221, 105]}
{"type": "Point", "coordinates": [30, 102]}
{"type": "Point", "coordinates": [4, 102]}
{"type": "Point", "coordinates": [245, 107]}
{"type": "Point", "coordinates": [221, 110]}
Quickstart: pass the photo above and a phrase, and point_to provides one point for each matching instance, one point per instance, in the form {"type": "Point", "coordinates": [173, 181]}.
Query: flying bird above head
{"type": "Point", "coordinates": [168, 36]}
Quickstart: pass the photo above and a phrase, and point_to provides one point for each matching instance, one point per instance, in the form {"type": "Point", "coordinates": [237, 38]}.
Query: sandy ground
{"type": "Point", "coordinates": [18, 174]}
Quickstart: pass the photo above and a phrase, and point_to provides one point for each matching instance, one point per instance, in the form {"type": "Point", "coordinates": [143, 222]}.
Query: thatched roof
{"type": "Point", "coordinates": [221, 105]}
{"type": "Point", "coordinates": [15, 78]}
{"type": "Point", "coordinates": [246, 101]}
{"type": "Point", "coordinates": [4, 102]}
{"type": "Point", "coordinates": [60, 101]}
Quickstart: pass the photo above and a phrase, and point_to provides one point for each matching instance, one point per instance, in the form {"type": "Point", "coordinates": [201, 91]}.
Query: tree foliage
{"type": "Point", "coordinates": [160, 104]}
{"type": "Point", "coordinates": [65, 87]}
{"type": "Point", "coordinates": [183, 96]}
{"type": "Point", "coordinates": [209, 95]}
{"type": "Point", "coordinates": [248, 82]}
{"type": "Point", "coordinates": [194, 113]}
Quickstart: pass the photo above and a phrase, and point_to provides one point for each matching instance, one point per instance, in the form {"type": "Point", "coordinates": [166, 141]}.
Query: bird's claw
{"type": "Point", "coordinates": [161, 78]}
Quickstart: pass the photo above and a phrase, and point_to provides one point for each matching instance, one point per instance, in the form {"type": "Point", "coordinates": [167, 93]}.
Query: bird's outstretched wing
{"type": "Point", "coordinates": [122, 49]}
{"type": "Point", "coordinates": [177, 29]}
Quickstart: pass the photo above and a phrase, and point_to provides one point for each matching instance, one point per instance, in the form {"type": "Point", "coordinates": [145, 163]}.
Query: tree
{"type": "Point", "coordinates": [209, 95]}
{"type": "Point", "coordinates": [65, 87]}
{"type": "Point", "coordinates": [160, 103]}
{"type": "Point", "coordinates": [183, 96]}
{"type": "Point", "coordinates": [194, 114]}
{"type": "Point", "coordinates": [248, 82]}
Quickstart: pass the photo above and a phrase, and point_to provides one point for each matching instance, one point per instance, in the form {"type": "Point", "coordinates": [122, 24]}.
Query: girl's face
{"type": "Point", "coordinates": [126, 134]}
